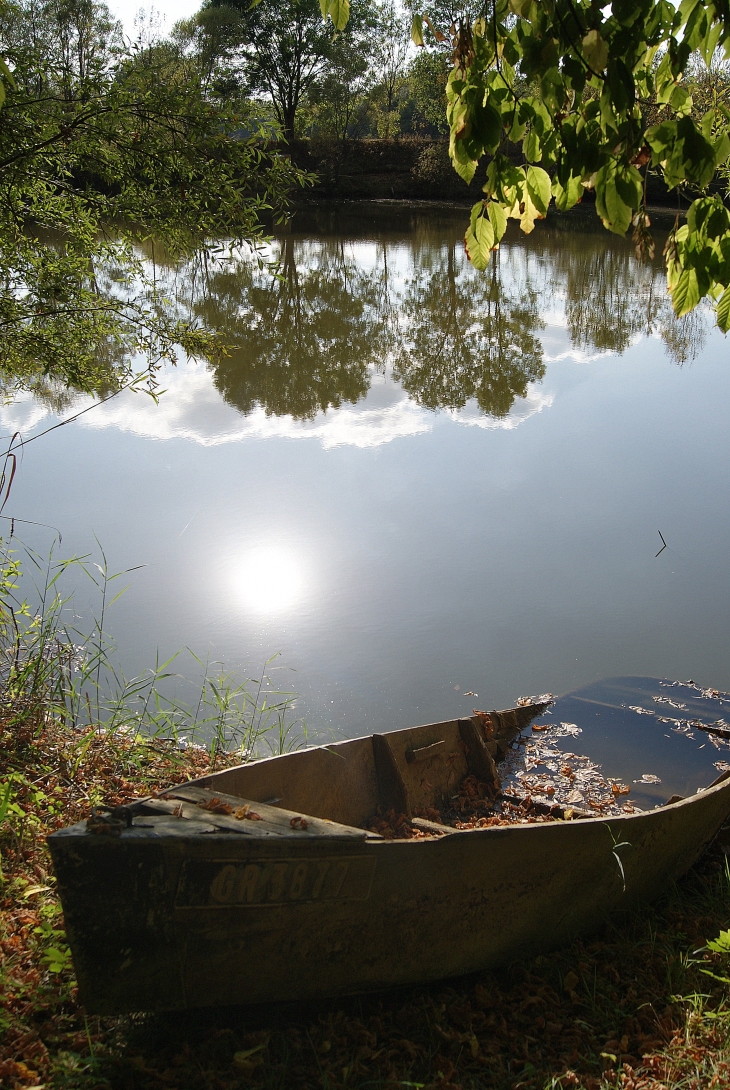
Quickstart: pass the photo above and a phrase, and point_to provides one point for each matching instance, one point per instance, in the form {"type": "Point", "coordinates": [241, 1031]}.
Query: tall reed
{"type": "Point", "coordinates": [71, 672]}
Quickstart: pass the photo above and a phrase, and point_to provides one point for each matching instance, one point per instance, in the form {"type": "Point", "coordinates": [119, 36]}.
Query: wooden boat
{"type": "Point", "coordinates": [287, 896]}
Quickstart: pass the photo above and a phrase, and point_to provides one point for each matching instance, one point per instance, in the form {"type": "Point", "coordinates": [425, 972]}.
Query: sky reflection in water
{"type": "Point", "coordinates": [481, 466]}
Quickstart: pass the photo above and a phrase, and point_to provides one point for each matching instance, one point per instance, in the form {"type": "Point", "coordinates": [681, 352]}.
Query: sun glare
{"type": "Point", "coordinates": [269, 579]}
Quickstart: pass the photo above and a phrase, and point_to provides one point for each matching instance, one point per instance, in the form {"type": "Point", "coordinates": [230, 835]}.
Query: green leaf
{"type": "Point", "coordinates": [539, 188]}
{"type": "Point", "coordinates": [685, 10]}
{"type": "Point", "coordinates": [479, 240]}
{"type": "Point", "coordinates": [463, 165]}
{"type": "Point", "coordinates": [630, 186]}
{"type": "Point", "coordinates": [339, 12]}
{"type": "Point", "coordinates": [5, 802]}
{"type": "Point", "coordinates": [521, 7]}
{"type": "Point", "coordinates": [531, 147]}
{"type": "Point", "coordinates": [525, 211]}
{"type": "Point", "coordinates": [680, 101]}
{"type": "Point", "coordinates": [498, 218]}
{"type": "Point", "coordinates": [486, 125]}
{"type": "Point", "coordinates": [723, 321]}
{"type": "Point", "coordinates": [709, 43]}
{"type": "Point", "coordinates": [416, 29]}
{"type": "Point", "coordinates": [619, 213]}
{"type": "Point", "coordinates": [720, 945]}
{"type": "Point", "coordinates": [568, 195]}
{"type": "Point", "coordinates": [722, 149]}
{"type": "Point", "coordinates": [595, 50]}
{"type": "Point", "coordinates": [686, 294]}
{"type": "Point", "coordinates": [615, 202]}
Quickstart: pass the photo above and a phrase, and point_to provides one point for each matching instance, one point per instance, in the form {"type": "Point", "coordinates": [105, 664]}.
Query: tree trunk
{"type": "Point", "coordinates": [288, 114]}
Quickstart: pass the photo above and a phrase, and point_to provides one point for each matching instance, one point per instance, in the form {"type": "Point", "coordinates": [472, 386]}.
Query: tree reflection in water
{"type": "Point", "coordinates": [611, 299]}
{"type": "Point", "coordinates": [308, 336]}
{"type": "Point", "coordinates": [467, 335]}
{"type": "Point", "coordinates": [304, 336]}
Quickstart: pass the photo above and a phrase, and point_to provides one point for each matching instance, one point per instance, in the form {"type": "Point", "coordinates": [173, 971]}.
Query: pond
{"type": "Point", "coordinates": [429, 489]}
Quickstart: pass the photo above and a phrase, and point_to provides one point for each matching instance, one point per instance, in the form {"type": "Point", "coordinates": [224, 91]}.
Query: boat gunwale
{"type": "Point", "coordinates": [722, 784]}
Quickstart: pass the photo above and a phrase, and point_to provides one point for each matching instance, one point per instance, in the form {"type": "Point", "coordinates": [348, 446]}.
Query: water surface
{"type": "Point", "coordinates": [430, 489]}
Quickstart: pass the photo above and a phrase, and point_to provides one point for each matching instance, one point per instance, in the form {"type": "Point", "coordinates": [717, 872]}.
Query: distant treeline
{"type": "Point", "coordinates": [409, 168]}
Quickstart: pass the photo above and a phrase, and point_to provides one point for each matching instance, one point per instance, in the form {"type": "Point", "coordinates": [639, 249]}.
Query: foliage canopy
{"type": "Point", "coordinates": [571, 81]}
{"type": "Point", "coordinates": [101, 148]}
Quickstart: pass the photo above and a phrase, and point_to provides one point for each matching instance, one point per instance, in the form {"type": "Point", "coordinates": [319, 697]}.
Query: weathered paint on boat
{"type": "Point", "coordinates": [187, 908]}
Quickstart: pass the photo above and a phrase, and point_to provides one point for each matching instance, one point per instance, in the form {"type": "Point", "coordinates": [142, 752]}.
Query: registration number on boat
{"type": "Point", "coordinates": [274, 881]}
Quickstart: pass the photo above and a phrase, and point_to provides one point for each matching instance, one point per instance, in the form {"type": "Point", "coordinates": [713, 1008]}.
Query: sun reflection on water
{"type": "Point", "coordinates": [270, 578]}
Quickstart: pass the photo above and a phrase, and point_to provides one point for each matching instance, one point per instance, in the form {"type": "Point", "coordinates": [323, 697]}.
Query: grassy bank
{"type": "Point", "coordinates": [632, 1008]}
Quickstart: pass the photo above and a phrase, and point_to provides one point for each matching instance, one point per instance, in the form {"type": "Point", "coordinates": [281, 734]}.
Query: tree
{"type": "Point", "coordinates": [100, 149]}
{"type": "Point", "coordinates": [280, 47]}
{"type": "Point", "coordinates": [337, 100]}
{"type": "Point", "coordinates": [427, 76]}
{"type": "Point", "coordinates": [388, 62]}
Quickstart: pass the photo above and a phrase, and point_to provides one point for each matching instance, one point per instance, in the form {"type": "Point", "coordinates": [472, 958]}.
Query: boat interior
{"type": "Point", "coordinates": [333, 789]}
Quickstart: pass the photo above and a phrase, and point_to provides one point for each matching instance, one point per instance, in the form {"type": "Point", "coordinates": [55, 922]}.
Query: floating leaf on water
{"type": "Point", "coordinates": [527, 701]}
{"type": "Point", "coordinates": [648, 777]}
{"type": "Point", "coordinates": [666, 700]}
{"type": "Point", "coordinates": [641, 711]}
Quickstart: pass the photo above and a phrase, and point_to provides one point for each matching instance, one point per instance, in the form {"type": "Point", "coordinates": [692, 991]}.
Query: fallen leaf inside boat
{"type": "Point", "coordinates": [215, 806]}
{"type": "Point", "coordinates": [298, 823]}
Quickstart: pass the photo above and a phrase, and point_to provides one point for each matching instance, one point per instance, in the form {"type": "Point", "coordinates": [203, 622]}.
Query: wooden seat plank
{"type": "Point", "coordinates": [192, 813]}
{"type": "Point", "coordinates": [275, 818]}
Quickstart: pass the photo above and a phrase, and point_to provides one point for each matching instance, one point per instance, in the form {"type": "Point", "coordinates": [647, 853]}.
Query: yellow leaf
{"type": "Point", "coordinates": [595, 50]}
{"type": "Point", "coordinates": [417, 30]}
{"type": "Point", "coordinates": [525, 211]}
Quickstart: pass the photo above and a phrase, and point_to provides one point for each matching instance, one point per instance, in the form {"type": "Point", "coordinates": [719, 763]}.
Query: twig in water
{"type": "Point", "coordinates": [664, 544]}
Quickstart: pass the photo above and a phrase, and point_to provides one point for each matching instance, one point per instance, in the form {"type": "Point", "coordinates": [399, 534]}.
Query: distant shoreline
{"type": "Point", "coordinates": [415, 170]}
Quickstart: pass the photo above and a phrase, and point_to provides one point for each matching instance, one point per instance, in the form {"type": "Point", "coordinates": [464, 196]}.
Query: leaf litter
{"type": "Point", "coordinates": [540, 782]}
{"type": "Point", "coordinates": [602, 1014]}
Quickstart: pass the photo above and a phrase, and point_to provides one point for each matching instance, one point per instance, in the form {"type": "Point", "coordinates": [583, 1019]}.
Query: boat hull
{"type": "Point", "coordinates": [189, 921]}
